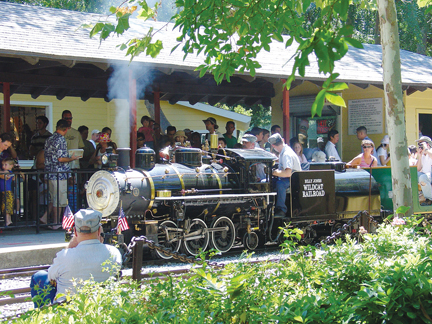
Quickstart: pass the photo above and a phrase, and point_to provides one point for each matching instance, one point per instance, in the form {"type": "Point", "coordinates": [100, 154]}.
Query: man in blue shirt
{"type": "Point", "coordinates": [362, 135]}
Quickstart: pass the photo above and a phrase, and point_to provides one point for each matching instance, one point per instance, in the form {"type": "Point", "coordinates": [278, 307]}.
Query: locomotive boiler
{"type": "Point", "coordinates": [191, 205]}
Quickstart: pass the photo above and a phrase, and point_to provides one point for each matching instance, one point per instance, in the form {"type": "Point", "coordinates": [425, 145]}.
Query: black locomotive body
{"type": "Point", "coordinates": [192, 205]}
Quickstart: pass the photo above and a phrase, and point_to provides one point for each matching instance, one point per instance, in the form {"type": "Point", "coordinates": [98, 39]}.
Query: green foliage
{"type": "Point", "coordinates": [231, 35]}
{"type": "Point", "coordinates": [96, 6]}
{"type": "Point", "coordinates": [261, 116]}
{"type": "Point", "coordinates": [386, 279]}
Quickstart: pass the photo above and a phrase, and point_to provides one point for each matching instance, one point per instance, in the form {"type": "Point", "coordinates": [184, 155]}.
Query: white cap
{"type": "Point", "coordinates": [95, 131]}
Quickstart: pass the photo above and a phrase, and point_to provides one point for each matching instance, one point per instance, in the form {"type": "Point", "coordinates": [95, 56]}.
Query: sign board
{"type": "Point", "coordinates": [365, 112]}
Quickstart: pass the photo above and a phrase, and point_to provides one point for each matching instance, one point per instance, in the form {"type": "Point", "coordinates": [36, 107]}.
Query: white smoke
{"type": "Point", "coordinates": [118, 89]}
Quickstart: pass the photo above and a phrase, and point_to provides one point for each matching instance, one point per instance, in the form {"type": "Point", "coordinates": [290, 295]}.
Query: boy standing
{"type": "Point", "coordinates": [6, 189]}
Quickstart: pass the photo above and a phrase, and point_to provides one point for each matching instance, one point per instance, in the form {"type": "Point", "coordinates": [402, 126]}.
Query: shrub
{"type": "Point", "coordinates": [386, 279]}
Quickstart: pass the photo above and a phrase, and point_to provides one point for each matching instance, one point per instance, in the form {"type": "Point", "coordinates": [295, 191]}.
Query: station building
{"type": "Point", "coordinates": [48, 64]}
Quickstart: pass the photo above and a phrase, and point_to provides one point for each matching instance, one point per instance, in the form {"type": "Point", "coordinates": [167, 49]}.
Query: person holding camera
{"type": "Point", "coordinates": [85, 257]}
{"type": "Point", "coordinates": [424, 164]}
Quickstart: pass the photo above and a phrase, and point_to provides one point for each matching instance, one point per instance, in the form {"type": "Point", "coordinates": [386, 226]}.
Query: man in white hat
{"type": "Point", "coordinates": [248, 142]}
{"type": "Point", "coordinates": [288, 163]}
{"type": "Point", "coordinates": [424, 168]}
{"type": "Point", "coordinates": [85, 257]}
{"type": "Point", "coordinates": [94, 137]}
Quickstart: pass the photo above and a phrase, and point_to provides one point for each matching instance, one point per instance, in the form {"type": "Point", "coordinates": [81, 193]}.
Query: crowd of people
{"type": "Point", "coordinates": [69, 148]}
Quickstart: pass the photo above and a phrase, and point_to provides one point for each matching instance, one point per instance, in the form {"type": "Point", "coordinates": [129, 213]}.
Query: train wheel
{"type": "Point", "coordinates": [309, 235]}
{"type": "Point", "coordinates": [197, 237]}
{"type": "Point", "coordinates": [223, 240]}
{"type": "Point", "coordinates": [250, 241]}
{"type": "Point", "coordinates": [169, 239]}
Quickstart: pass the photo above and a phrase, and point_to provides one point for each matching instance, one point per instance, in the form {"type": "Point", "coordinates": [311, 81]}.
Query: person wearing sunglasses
{"type": "Point", "coordinates": [365, 159]}
{"type": "Point", "coordinates": [383, 156]}
{"type": "Point", "coordinates": [424, 162]}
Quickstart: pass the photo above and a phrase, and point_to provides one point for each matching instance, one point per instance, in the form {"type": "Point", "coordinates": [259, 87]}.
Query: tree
{"type": "Point", "coordinates": [401, 179]}
{"type": "Point", "coordinates": [232, 33]}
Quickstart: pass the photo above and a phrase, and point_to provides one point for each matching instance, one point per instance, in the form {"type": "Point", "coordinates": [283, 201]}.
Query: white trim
{"type": "Point", "coordinates": [48, 109]}
{"type": "Point", "coordinates": [217, 111]}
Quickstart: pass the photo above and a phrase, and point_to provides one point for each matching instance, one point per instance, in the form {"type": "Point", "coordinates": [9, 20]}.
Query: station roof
{"type": "Point", "coordinates": [44, 51]}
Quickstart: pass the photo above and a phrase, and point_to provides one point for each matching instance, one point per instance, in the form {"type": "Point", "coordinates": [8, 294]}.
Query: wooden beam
{"type": "Point", "coordinates": [68, 63]}
{"type": "Point", "coordinates": [266, 101]}
{"type": "Point", "coordinates": [36, 92]}
{"type": "Point", "coordinates": [14, 88]}
{"type": "Point", "coordinates": [196, 89]}
{"type": "Point", "coordinates": [250, 101]}
{"type": "Point", "coordinates": [231, 101]}
{"type": "Point", "coordinates": [31, 60]}
{"type": "Point", "coordinates": [247, 78]}
{"type": "Point", "coordinates": [54, 81]}
{"type": "Point", "coordinates": [410, 91]}
{"type": "Point", "coordinates": [195, 99]}
{"type": "Point", "coordinates": [86, 95]}
{"type": "Point", "coordinates": [25, 66]}
{"type": "Point", "coordinates": [175, 98]}
{"type": "Point", "coordinates": [212, 100]}
{"type": "Point", "coordinates": [61, 94]}
{"type": "Point", "coordinates": [102, 66]}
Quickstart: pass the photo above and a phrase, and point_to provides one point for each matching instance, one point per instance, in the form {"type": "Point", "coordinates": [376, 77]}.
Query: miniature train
{"type": "Point", "coordinates": [200, 202]}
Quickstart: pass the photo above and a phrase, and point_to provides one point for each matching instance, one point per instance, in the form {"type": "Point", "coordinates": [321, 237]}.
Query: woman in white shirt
{"type": "Point", "coordinates": [383, 157]}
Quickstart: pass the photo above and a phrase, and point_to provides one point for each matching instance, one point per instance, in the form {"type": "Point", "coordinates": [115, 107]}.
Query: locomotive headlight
{"type": "Point", "coordinates": [104, 159]}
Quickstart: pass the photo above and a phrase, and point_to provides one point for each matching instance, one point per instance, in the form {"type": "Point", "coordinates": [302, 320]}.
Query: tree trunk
{"type": "Point", "coordinates": [394, 104]}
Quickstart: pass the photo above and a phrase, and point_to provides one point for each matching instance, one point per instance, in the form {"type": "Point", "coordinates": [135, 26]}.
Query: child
{"type": "Point", "coordinates": [6, 189]}
{"type": "Point", "coordinates": [147, 131]}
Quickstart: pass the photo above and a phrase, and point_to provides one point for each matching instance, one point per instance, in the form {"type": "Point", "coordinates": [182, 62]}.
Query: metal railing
{"type": "Point", "coordinates": [31, 197]}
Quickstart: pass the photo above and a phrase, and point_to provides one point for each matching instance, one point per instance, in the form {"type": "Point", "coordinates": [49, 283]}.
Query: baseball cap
{"type": "Point", "coordinates": [95, 131]}
{"type": "Point", "coordinates": [87, 220]}
{"type": "Point", "coordinates": [320, 140]}
{"type": "Point", "coordinates": [249, 138]}
{"type": "Point", "coordinates": [275, 139]}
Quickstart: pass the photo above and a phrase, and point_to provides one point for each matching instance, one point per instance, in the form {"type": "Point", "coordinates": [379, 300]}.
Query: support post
{"type": "Point", "coordinates": [6, 108]}
{"type": "Point", "coordinates": [157, 106]}
{"type": "Point", "coordinates": [133, 116]}
{"type": "Point", "coordinates": [137, 258]}
{"type": "Point", "coordinates": [286, 113]}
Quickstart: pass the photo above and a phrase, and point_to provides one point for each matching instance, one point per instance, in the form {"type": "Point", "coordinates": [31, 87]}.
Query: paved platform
{"type": "Point", "coordinates": [22, 247]}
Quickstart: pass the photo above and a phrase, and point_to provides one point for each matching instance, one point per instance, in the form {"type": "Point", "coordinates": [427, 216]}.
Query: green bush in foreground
{"type": "Point", "coordinates": [386, 279]}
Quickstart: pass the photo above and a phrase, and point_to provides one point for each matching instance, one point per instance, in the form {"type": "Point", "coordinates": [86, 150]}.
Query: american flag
{"type": "Point", "coordinates": [68, 219]}
{"type": "Point", "coordinates": [122, 224]}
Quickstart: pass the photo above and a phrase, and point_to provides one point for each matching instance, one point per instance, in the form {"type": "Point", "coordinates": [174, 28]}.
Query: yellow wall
{"type": "Point", "coordinates": [96, 114]}
{"type": "Point", "coordinates": [350, 144]}
{"type": "Point", "coordinates": [91, 113]}
{"type": "Point", "coordinates": [184, 117]}
{"type": "Point", "coordinates": [417, 103]}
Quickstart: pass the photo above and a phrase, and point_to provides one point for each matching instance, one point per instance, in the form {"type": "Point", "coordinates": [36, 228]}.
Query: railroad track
{"type": "Point", "coordinates": [22, 295]}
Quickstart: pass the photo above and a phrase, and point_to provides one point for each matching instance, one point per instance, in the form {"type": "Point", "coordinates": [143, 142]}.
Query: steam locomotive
{"type": "Point", "coordinates": [217, 200]}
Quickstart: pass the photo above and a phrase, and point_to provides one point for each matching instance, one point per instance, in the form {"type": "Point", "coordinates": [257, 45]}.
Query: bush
{"type": "Point", "coordinates": [386, 279]}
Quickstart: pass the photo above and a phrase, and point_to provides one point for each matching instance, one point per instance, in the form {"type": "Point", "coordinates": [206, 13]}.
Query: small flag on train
{"type": "Point", "coordinates": [68, 219]}
{"type": "Point", "coordinates": [122, 224]}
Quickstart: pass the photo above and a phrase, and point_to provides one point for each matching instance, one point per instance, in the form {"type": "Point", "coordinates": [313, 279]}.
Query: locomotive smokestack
{"type": "Point", "coordinates": [123, 157]}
